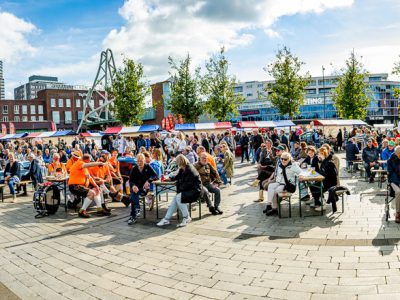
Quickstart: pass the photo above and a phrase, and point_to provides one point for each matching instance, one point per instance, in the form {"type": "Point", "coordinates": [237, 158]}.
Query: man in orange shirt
{"type": "Point", "coordinates": [80, 183]}
{"type": "Point", "coordinates": [74, 158]}
{"type": "Point", "coordinates": [114, 170]}
{"type": "Point", "coordinates": [210, 158]}
{"type": "Point", "coordinates": [56, 167]}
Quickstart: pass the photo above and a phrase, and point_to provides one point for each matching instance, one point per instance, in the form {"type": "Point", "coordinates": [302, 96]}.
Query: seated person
{"type": "Point", "coordinates": [351, 151]}
{"type": "Point", "coordinates": [81, 184]}
{"type": "Point", "coordinates": [370, 157]}
{"type": "Point", "coordinates": [285, 173]}
{"type": "Point", "coordinates": [139, 180]}
{"type": "Point", "coordinates": [265, 167]}
{"type": "Point", "coordinates": [210, 158]}
{"type": "Point", "coordinates": [329, 171]}
{"type": "Point", "coordinates": [35, 171]}
{"type": "Point", "coordinates": [387, 153]}
{"type": "Point", "coordinates": [56, 168]}
{"type": "Point", "coordinates": [188, 190]}
{"type": "Point", "coordinates": [295, 151]}
{"type": "Point", "coordinates": [115, 170]}
{"type": "Point", "coordinates": [393, 168]}
{"type": "Point", "coordinates": [74, 158]}
{"type": "Point", "coordinates": [11, 175]}
{"type": "Point", "coordinates": [211, 181]}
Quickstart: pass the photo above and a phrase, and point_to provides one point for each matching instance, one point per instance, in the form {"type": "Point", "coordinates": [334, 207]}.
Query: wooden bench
{"type": "Point", "coordinates": [284, 196]}
{"type": "Point", "coordinates": [24, 184]}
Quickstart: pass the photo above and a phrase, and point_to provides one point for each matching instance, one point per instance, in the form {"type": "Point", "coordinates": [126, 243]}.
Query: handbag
{"type": "Point", "coordinates": [289, 187]}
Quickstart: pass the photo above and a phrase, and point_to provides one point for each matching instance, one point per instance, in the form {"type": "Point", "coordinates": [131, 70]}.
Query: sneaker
{"type": "Point", "coordinates": [138, 212]}
{"type": "Point", "coordinates": [315, 204]}
{"type": "Point", "coordinates": [105, 208]}
{"type": "Point", "coordinates": [83, 214]}
{"type": "Point", "coordinates": [212, 210]}
{"type": "Point", "coordinates": [163, 222]}
{"type": "Point", "coordinates": [125, 200]}
{"type": "Point", "coordinates": [272, 212]}
{"type": "Point", "coordinates": [220, 212]}
{"type": "Point", "coordinates": [267, 209]}
{"type": "Point", "coordinates": [102, 212]}
{"type": "Point", "coordinates": [132, 221]}
{"type": "Point", "coordinates": [185, 221]}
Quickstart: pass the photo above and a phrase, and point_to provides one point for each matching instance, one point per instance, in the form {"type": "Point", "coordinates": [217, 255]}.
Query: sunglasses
{"type": "Point", "coordinates": [285, 159]}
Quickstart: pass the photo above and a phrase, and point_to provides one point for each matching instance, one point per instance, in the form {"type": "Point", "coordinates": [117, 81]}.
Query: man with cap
{"type": "Point", "coordinates": [387, 152]}
{"type": "Point", "coordinates": [76, 155]}
{"type": "Point", "coordinates": [370, 156]}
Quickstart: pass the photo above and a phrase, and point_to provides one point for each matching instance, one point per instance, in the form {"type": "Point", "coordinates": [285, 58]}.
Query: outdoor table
{"type": "Point", "coordinates": [162, 186]}
{"type": "Point", "coordinates": [309, 180]}
{"type": "Point", "coordinates": [61, 183]}
{"type": "Point", "coordinates": [381, 173]}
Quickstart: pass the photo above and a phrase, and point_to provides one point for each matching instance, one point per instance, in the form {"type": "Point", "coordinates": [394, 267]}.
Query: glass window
{"type": "Point", "coordinates": [56, 117]}
{"type": "Point", "coordinates": [68, 117]}
{"type": "Point", "coordinates": [92, 102]}
{"type": "Point", "coordinates": [5, 118]}
{"type": "Point", "coordinates": [53, 102]}
{"type": "Point", "coordinates": [249, 94]}
{"type": "Point", "coordinates": [33, 118]}
{"type": "Point", "coordinates": [16, 119]}
{"type": "Point", "coordinates": [60, 102]}
{"type": "Point", "coordinates": [67, 102]}
{"type": "Point", "coordinates": [238, 89]}
{"type": "Point", "coordinates": [249, 86]}
{"type": "Point", "coordinates": [24, 118]}
{"type": "Point", "coordinates": [78, 102]}
{"type": "Point", "coordinates": [33, 110]}
{"type": "Point", "coordinates": [16, 109]}
{"type": "Point", "coordinates": [24, 109]}
{"type": "Point", "coordinates": [101, 101]}
{"type": "Point", "coordinates": [40, 109]}
{"type": "Point", "coordinates": [5, 109]}
{"type": "Point", "coordinates": [40, 118]}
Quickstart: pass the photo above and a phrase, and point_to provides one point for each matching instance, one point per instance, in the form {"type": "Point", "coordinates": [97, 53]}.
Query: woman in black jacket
{"type": "Point", "coordinates": [311, 159]}
{"type": "Point", "coordinates": [188, 190]}
{"type": "Point", "coordinates": [329, 171]}
{"type": "Point", "coordinates": [11, 174]}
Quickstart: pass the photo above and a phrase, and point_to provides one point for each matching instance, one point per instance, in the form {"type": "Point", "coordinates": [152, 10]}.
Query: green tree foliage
{"type": "Point", "coordinates": [287, 92]}
{"type": "Point", "coordinates": [396, 71]}
{"type": "Point", "coordinates": [218, 88]}
{"type": "Point", "coordinates": [352, 94]}
{"type": "Point", "coordinates": [129, 91]}
{"type": "Point", "coordinates": [185, 91]}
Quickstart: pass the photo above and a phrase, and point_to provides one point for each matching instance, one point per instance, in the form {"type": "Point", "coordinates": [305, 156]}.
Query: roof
{"type": "Point", "coordinates": [113, 130]}
{"type": "Point", "coordinates": [338, 122]}
{"type": "Point", "coordinates": [203, 126]}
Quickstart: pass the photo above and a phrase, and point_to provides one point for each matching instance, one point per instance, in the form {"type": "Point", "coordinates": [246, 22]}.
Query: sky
{"type": "Point", "coordinates": [64, 38]}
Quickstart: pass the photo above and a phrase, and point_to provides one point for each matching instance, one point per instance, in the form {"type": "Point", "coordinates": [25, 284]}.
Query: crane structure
{"type": "Point", "coordinates": [105, 75]}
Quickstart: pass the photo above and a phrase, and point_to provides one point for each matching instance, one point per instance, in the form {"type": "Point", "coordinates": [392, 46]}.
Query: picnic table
{"type": "Point", "coordinates": [311, 178]}
{"type": "Point", "coordinates": [163, 186]}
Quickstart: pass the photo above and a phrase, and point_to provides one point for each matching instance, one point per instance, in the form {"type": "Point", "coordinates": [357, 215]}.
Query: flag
{"type": "Point", "coordinates": [12, 128]}
{"type": "Point", "coordinates": [3, 129]}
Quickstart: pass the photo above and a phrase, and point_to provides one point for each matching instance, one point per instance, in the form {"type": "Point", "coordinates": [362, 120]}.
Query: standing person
{"type": "Point", "coordinates": [154, 141]}
{"type": "Point", "coordinates": [284, 139]}
{"type": "Point", "coordinates": [141, 176]}
{"type": "Point", "coordinates": [339, 140]}
{"type": "Point", "coordinates": [275, 138]}
{"type": "Point", "coordinates": [35, 171]}
{"type": "Point", "coordinates": [140, 142]}
{"type": "Point", "coordinates": [256, 143]}
{"type": "Point", "coordinates": [204, 142]}
{"type": "Point", "coordinates": [188, 189]}
{"type": "Point", "coordinates": [244, 146]}
{"type": "Point", "coordinates": [120, 144]}
{"type": "Point", "coordinates": [227, 169]}
{"type": "Point", "coordinates": [393, 167]}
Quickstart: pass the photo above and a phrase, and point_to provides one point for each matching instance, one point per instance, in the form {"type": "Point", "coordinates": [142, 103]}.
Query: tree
{"type": "Point", "coordinates": [218, 87]}
{"type": "Point", "coordinates": [396, 71]}
{"type": "Point", "coordinates": [129, 91]}
{"type": "Point", "coordinates": [287, 92]}
{"type": "Point", "coordinates": [185, 94]}
{"type": "Point", "coordinates": [352, 94]}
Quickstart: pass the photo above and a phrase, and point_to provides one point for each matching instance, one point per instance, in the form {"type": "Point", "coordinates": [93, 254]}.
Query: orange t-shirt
{"type": "Point", "coordinates": [78, 174]}
{"type": "Point", "coordinates": [211, 160]}
{"type": "Point", "coordinates": [114, 163]}
{"type": "Point", "coordinates": [56, 165]}
{"type": "Point", "coordinates": [70, 163]}
{"type": "Point", "coordinates": [99, 171]}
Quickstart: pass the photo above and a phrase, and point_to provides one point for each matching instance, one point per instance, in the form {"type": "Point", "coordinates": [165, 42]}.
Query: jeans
{"type": "Point", "coordinates": [176, 202]}
{"type": "Point", "coordinates": [368, 169]}
{"type": "Point", "coordinates": [11, 182]}
{"type": "Point", "coordinates": [135, 206]}
{"type": "Point", "coordinates": [253, 155]}
{"type": "Point", "coordinates": [217, 193]}
{"type": "Point", "coordinates": [245, 152]}
{"type": "Point", "coordinates": [222, 174]}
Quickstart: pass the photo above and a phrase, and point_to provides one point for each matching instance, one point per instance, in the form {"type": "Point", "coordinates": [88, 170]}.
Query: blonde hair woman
{"type": "Point", "coordinates": [188, 190]}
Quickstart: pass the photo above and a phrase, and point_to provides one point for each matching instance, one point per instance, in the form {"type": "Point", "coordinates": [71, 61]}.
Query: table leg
{"type": "Point", "coordinates": [65, 195]}
{"type": "Point", "coordinates": [322, 198]}
{"type": "Point", "coordinates": [300, 212]}
{"type": "Point", "coordinates": [157, 195]}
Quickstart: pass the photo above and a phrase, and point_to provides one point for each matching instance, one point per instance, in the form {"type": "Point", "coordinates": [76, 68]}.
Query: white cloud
{"type": "Point", "coordinates": [13, 37]}
{"type": "Point", "coordinates": [156, 29]}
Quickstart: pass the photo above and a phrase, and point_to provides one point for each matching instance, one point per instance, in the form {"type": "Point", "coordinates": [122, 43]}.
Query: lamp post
{"type": "Point", "coordinates": [323, 88]}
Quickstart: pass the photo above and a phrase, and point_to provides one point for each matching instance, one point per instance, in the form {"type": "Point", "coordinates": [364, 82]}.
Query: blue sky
{"type": "Point", "coordinates": [65, 38]}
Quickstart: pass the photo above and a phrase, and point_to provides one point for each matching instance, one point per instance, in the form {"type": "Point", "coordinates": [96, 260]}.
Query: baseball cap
{"type": "Point", "coordinates": [391, 143]}
{"type": "Point", "coordinates": [281, 148]}
{"type": "Point", "coordinates": [76, 154]}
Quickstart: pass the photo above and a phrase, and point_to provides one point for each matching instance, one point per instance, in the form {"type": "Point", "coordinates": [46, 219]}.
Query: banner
{"type": "Point", "coordinates": [3, 129]}
{"type": "Point", "coordinates": [12, 128]}
{"type": "Point", "coordinates": [53, 126]}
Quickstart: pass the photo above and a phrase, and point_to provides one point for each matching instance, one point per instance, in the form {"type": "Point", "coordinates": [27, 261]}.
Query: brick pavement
{"type": "Point", "coordinates": [239, 255]}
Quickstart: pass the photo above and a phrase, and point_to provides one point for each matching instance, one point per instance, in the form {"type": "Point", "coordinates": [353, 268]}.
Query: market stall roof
{"type": "Point", "coordinates": [63, 133]}
{"type": "Point", "coordinates": [113, 130]}
{"type": "Point", "coordinates": [256, 124]}
{"type": "Point", "coordinates": [19, 135]}
{"type": "Point", "coordinates": [339, 122]}
{"type": "Point", "coordinates": [284, 123]}
{"type": "Point", "coordinates": [139, 129]}
{"type": "Point", "coordinates": [46, 134]}
{"type": "Point", "coordinates": [33, 135]}
{"type": "Point", "coordinates": [203, 126]}
{"type": "Point", "coordinates": [7, 136]}
{"type": "Point", "coordinates": [383, 125]}
{"type": "Point", "coordinates": [91, 134]}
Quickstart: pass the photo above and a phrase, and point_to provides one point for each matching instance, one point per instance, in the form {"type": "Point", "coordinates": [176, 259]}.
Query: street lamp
{"type": "Point", "coordinates": [323, 88]}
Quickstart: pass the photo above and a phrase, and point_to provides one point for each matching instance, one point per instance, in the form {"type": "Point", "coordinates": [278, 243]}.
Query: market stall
{"type": "Point", "coordinates": [218, 126]}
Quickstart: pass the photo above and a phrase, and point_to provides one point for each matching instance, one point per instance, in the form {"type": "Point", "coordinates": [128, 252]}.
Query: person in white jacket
{"type": "Point", "coordinates": [278, 185]}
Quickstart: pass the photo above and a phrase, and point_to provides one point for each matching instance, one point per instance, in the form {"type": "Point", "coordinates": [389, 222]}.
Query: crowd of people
{"type": "Point", "coordinates": [200, 164]}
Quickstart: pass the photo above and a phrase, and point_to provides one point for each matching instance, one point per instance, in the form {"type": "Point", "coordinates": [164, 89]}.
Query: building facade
{"type": "Point", "coordinates": [2, 86]}
{"type": "Point", "coordinates": [36, 83]}
{"type": "Point", "coordinates": [318, 102]}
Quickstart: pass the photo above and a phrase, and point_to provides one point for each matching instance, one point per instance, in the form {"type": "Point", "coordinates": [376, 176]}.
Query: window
{"type": "Point", "coordinates": [40, 118]}
{"type": "Point", "coordinates": [53, 102]}
{"type": "Point", "coordinates": [40, 109]}
{"type": "Point", "coordinates": [5, 109]}
{"type": "Point", "coordinates": [16, 119]}
{"type": "Point", "coordinates": [33, 110]}
{"type": "Point", "coordinates": [101, 102]}
{"type": "Point", "coordinates": [5, 118]}
{"type": "Point", "coordinates": [67, 102]}
{"type": "Point", "coordinates": [60, 102]}
{"type": "Point", "coordinates": [68, 117]}
{"type": "Point", "coordinates": [24, 118]}
{"type": "Point", "coordinates": [78, 102]}
{"type": "Point", "coordinates": [250, 86]}
{"type": "Point", "coordinates": [16, 109]}
{"type": "Point", "coordinates": [33, 118]}
{"type": "Point", "coordinates": [238, 89]}
{"type": "Point", "coordinates": [92, 103]}
{"type": "Point", "coordinates": [24, 109]}
{"type": "Point", "coordinates": [249, 95]}
{"type": "Point", "coordinates": [56, 117]}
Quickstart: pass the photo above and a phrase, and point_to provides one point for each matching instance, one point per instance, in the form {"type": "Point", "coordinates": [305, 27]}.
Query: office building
{"type": "Point", "coordinates": [2, 87]}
